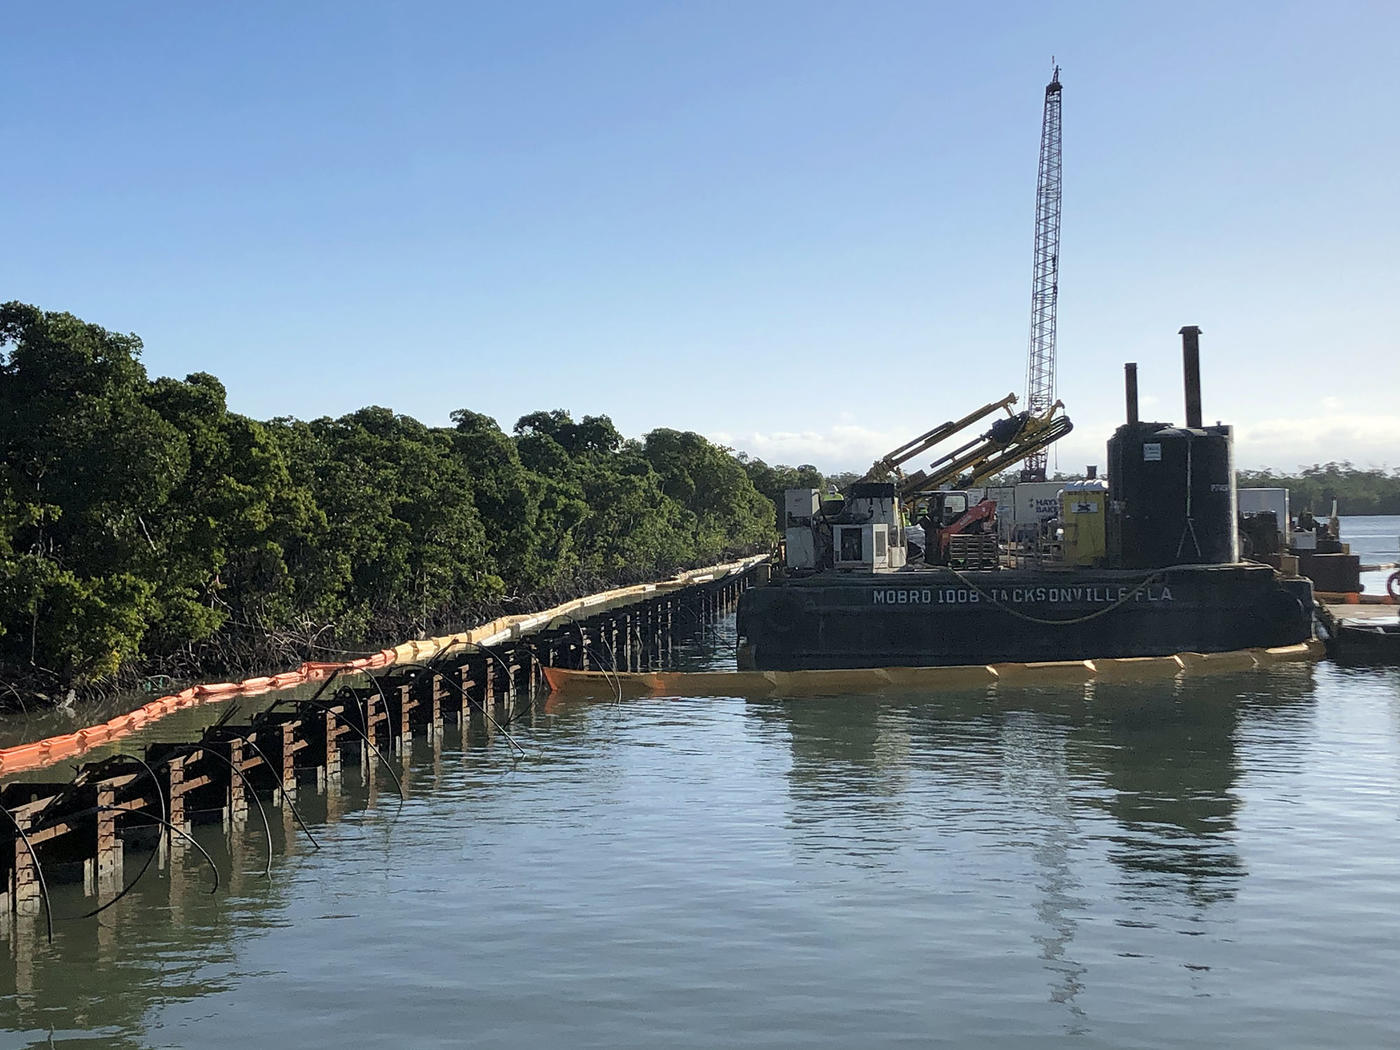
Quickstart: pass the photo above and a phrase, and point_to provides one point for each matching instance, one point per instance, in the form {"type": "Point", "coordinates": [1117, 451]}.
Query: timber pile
{"type": "Point", "coordinates": [149, 799]}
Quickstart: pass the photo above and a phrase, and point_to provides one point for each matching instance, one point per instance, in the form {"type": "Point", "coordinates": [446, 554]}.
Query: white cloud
{"type": "Point", "coordinates": [1284, 443]}
{"type": "Point", "coordinates": [841, 446]}
{"type": "Point", "coordinates": [1366, 440]}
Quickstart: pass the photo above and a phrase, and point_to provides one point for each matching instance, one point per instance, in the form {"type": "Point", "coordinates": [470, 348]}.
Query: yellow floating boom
{"type": "Point", "coordinates": [766, 684]}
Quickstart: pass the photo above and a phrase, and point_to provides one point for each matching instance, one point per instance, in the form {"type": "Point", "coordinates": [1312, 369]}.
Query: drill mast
{"type": "Point", "coordinates": [1040, 362]}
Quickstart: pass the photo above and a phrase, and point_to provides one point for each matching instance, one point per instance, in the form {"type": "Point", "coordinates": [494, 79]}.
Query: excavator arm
{"type": "Point", "coordinates": [978, 512]}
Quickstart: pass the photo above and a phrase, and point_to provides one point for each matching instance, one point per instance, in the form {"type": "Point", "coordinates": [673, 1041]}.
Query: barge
{"type": "Point", "coordinates": [1144, 564]}
{"type": "Point", "coordinates": [935, 616]}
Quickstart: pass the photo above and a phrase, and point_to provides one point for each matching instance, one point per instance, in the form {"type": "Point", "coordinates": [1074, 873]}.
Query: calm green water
{"type": "Point", "coordinates": [1208, 863]}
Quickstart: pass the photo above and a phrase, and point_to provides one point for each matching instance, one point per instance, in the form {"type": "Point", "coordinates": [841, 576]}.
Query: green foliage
{"type": "Point", "coordinates": [527, 521]}
{"type": "Point", "coordinates": [706, 480]}
{"type": "Point", "coordinates": [143, 521]}
{"type": "Point", "coordinates": [85, 463]}
{"type": "Point", "coordinates": [595, 435]}
{"type": "Point", "coordinates": [398, 542]}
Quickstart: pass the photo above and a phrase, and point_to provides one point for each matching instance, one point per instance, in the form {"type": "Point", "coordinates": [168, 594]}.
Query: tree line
{"type": "Point", "coordinates": [1357, 491]}
{"type": "Point", "coordinates": [145, 526]}
{"type": "Point", "coordinates": [1374, 490]}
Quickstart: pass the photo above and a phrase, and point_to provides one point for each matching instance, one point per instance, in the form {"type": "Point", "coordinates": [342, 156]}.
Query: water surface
{"type": "Point", "coordinates": [1210, 862]}
{"type": "Point", "coordinates": [1376, 540]}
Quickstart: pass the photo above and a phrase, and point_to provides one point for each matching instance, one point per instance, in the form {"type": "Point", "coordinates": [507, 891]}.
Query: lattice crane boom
{"type": "Point", "coordinates": [1040, 360]}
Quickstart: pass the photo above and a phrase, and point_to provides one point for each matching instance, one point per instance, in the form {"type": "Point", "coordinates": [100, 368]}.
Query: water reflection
{"type": "Point", "coordinates": [849, 776]}
{"type": "Point", "coordinates": [1141, 775]}
{"type": "Point", "coordinates": [1158, 759]}
{"type": "Point", "coordinates": [1037, 776]}
{"type": "Point", "coordinates": [1046, 846]}
{"type": "Point", "coordinates": [1167, 757]}
{"type": "Point", "coordinates": [169, 939]}
{"type": "Point", "coordinates": [166, 941]}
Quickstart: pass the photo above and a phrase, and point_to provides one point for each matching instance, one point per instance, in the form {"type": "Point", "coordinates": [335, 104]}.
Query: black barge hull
{"type": "Point", "coordinates": [937, 617]}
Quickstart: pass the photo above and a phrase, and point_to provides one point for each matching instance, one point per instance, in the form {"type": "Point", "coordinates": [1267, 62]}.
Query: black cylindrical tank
{"type": "Point", "coordinates": [1172, 496]}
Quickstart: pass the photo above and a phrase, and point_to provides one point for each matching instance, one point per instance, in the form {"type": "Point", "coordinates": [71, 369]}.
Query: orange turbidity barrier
{"type": "Point", "coordinates": [39, 753]}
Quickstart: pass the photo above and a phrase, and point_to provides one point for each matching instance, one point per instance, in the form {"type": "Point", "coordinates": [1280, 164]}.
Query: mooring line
{"type": "Point", "coordinates": [383, 699]}
{"type": "Point", "coordinates": [509, 677]}
{"type": "Point", "coordinates": [993, 600]}
{"type": "Point", "coordinates": [160, 798]}
{"type": "Point", "coordinates": [248, 785]}
{"type": "Point", "coordinates": [612, 680]}
{"type": "Point", "coordinates": [204, 746]}
{"type": "Point", "coordinates": [364, 719]}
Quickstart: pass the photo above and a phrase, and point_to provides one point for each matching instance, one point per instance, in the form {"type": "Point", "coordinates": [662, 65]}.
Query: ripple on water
{"type": "Point", "coordinates": [1193, 863]}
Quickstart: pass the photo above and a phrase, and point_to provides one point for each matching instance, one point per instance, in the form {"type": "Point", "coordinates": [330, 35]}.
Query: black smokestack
{"type": "Point", "coordinates": [1130, 390]}
{"type": "Point", "coordinates": [1191, 366]}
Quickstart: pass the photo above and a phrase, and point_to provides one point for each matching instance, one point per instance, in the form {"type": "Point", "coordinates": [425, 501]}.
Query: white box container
{"type": "Point", "coordinates": [800, 505]}
{"type": "Point", "coordinates": [801, 548]}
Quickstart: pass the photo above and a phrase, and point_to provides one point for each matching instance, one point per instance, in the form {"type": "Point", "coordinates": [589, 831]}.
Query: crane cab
{"type": "Point", "coordinates": [944, 508]}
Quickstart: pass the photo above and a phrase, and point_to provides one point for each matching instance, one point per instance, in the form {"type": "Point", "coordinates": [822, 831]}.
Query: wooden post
{"type": "Point", "coordinates": [24, 878]}
{"type": "Point", "coordinates": [175, 790]}
{"type": "Point", "coordinates": [107, 861]}
{"type": "Point", "coordinates": [237, 792]}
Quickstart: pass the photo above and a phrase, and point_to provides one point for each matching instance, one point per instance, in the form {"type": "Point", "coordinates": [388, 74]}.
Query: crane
{"type": "Point", "coordinates": [1045, 281]}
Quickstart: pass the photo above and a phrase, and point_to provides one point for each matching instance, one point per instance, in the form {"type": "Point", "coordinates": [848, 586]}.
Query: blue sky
{"type": "Point", "coordinates": [803, 229]}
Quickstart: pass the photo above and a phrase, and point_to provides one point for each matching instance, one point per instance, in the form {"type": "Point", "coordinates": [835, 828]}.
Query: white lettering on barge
{"type": "Point", "coordinates": [1018, 595]}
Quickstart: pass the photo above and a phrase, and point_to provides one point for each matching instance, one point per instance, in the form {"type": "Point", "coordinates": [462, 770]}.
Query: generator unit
{"type": "Point", "coordinates": [864, 531]}
{"type": "Point", "coordinates": [861, 546]}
